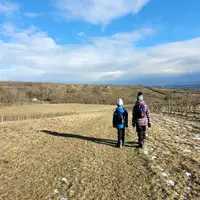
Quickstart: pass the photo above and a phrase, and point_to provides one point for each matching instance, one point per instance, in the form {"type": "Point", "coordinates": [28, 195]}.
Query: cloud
{"type": "Point", "coordinates": [30, 54]}
{"type": "Point", "coordinates": [122, 39]}
{"type": "Point", "coordinates": [99, 11]}
{"type": "Point", "coordinates": [33, 14]}
{"type": "Point", "coordinates": [7, 29]}
{"type": "Point", "coordinates": [7, 7]}
{"type": "Point", "coordinates": [98, 76]}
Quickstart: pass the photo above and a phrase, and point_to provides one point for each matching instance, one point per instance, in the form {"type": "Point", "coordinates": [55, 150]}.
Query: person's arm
{"type": "Point", "coordinates": [126, 118]}
{"type": "Point", "coordinates": [114, 119]}
{"type": "Point", "coordinates": [148, 117]}
{"type": "Point", "coordinates": [133, 116]}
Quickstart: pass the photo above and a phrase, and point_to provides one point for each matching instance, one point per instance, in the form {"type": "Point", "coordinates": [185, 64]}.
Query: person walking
{"type": "Point", "coordinates": [140, 118]}
{"type": "Point", "coordinates": [120, 121]}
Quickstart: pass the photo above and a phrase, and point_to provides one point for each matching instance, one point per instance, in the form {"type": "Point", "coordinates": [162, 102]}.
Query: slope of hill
{"type": "Point", "coordinates": [20, 92]}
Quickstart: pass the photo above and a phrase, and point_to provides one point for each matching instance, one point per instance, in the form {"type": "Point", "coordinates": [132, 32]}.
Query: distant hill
{"type": "Point", "coordinates": [192, 86]}
{"type": "Point", "coordinates": [26, 92]}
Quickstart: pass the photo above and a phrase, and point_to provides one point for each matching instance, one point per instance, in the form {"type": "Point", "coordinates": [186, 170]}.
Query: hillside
{"type": "Point", "coordinates": [21, 92]}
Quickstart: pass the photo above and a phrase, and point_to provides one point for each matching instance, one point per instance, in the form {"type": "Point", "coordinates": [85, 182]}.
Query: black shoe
{"type": "Point", "coordinates": [140, 146]}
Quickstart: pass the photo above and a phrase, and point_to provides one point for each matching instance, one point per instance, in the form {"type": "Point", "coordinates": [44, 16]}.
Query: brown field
{"type": "Point", "coordinates": [37, 154]}
{"type": "Point", "coordinates": [51, 108]}
{"type": "Point", "coordinates": [36, 111]}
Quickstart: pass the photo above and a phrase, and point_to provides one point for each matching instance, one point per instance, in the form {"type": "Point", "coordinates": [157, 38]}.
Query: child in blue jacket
{"type": "Point", "coordinates": [120, 121]}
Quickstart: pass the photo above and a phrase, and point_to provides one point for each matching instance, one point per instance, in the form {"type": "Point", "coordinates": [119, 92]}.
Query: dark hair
{"type": "Point", "coordinates": [139, 94]}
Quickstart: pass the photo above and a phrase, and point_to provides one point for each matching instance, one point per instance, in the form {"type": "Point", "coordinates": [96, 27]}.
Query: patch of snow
{"type": "Point", "coordinates": [146, 151]}
{"type": "Point", "coordinates": [55, 192]}
{"type": "Point", "coordinates": [187, 151]}
{"type": "Point", "coordinates": [152, 166]}
{"type": "Point", "coordinates": [189, 189]}
{"type": "Point", "coordinates": [184, 197]}
{"type": "Point", "coordinates": [159, 168]}
{"type": "Point", "coordinates": [63, 198]}
{"type": "Point", "coordinates": [164, 174]}
{"type": "Point", "coordinates": [170, 183]}
{"type": "Point", "coordinates": [153, 157]}
{"type": "Point", "coordinates": [34, 99]}
{"type": "Point", "coordinates": [64, 180]}
{"type": "Point", "coordinates": [189, 127]}
{"type": "Point", "coordinates": [71, 193]}
{"type": "Point", "coordinates": [197, 138]}
{"type": "Point", "coordinates": [197, 148]}
{"type": "Point", "coordinates": [189, 175]}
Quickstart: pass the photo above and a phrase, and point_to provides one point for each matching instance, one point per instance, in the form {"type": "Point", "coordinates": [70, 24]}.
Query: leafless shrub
{"type": "Point", "coordinates": [164, 99]}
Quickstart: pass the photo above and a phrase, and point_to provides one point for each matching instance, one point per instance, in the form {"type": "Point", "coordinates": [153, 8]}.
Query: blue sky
{"type": "Point", "coordinates": [100, 41]}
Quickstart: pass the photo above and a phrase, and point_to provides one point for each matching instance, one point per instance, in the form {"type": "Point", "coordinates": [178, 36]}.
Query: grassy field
{"type": "Point", "coordinates": [37, 111]}
{"type": "Point", "coordinates": [74, 157]}
{"type": "Point", "coordinates": [51, 108]}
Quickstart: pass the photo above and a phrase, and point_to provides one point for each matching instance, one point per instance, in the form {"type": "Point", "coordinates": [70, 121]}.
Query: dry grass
{"type": "Point", "coordinates": [36, 154]}
{"type": "Point", "coordinates": [173, 147]}
{"type": "Point", "coordinates": [51, 108]}
{"type": "Point", "coordinates": [20, 93]}
{"type": "Point", "coordinates": [37, 111]}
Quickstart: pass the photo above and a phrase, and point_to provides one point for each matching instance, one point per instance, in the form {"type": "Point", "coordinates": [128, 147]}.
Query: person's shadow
{"type": "Point", "coordinates": [108, 142]}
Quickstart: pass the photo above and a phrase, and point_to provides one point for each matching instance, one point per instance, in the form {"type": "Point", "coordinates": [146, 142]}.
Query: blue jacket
{"type": "Point", "coordinates": [116, 122]}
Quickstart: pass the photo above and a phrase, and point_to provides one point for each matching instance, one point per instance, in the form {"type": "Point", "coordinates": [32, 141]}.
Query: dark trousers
{"type": "Point", "coordinates": [141, 131]}
{"type": "Point", "coordinates": [121, 135]}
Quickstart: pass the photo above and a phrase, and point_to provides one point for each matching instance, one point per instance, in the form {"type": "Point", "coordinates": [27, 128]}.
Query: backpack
{"type": "Point", "coordinates": [119, 118]}
{"type": "Point", "coordinates": [140, 111]}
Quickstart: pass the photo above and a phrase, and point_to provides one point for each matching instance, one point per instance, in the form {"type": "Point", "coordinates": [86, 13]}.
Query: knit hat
{"type": "Point", "coordinates": [120, 102]}
{"type": "Point", "coordinates": [140, 98]}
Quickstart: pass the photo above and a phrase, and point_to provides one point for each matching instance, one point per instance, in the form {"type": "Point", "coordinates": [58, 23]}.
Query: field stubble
{"type": "Point", "coordinates": [75, 157]}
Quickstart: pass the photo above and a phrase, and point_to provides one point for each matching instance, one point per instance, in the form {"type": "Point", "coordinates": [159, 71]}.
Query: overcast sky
{"type": "Point", "coordinates": [100, 41]}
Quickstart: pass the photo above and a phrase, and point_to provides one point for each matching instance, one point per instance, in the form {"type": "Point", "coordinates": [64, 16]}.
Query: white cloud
{"type": "Point", "coordinates": [33, 14]}
{"type": "Point", "coordinates": [33, 55]}
{"type": "Point", "coordinates": [7, 29]}
{"type": "Point", "coordinates": [171, 71]}
{"type": "Point", "coordinates": [96, 76]}
{"type": "Point", "coordinates": [99, 11]}
{"type": "Point", "coordinates": [7, 7]}
{"type": "Point", "coordinates": [121, 39]}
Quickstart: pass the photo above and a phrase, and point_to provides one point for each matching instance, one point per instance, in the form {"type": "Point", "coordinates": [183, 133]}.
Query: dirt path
{"type": "Point", "coordinates": [102, 171]}
{"type": "Point", "coordinates": [81, 149]}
